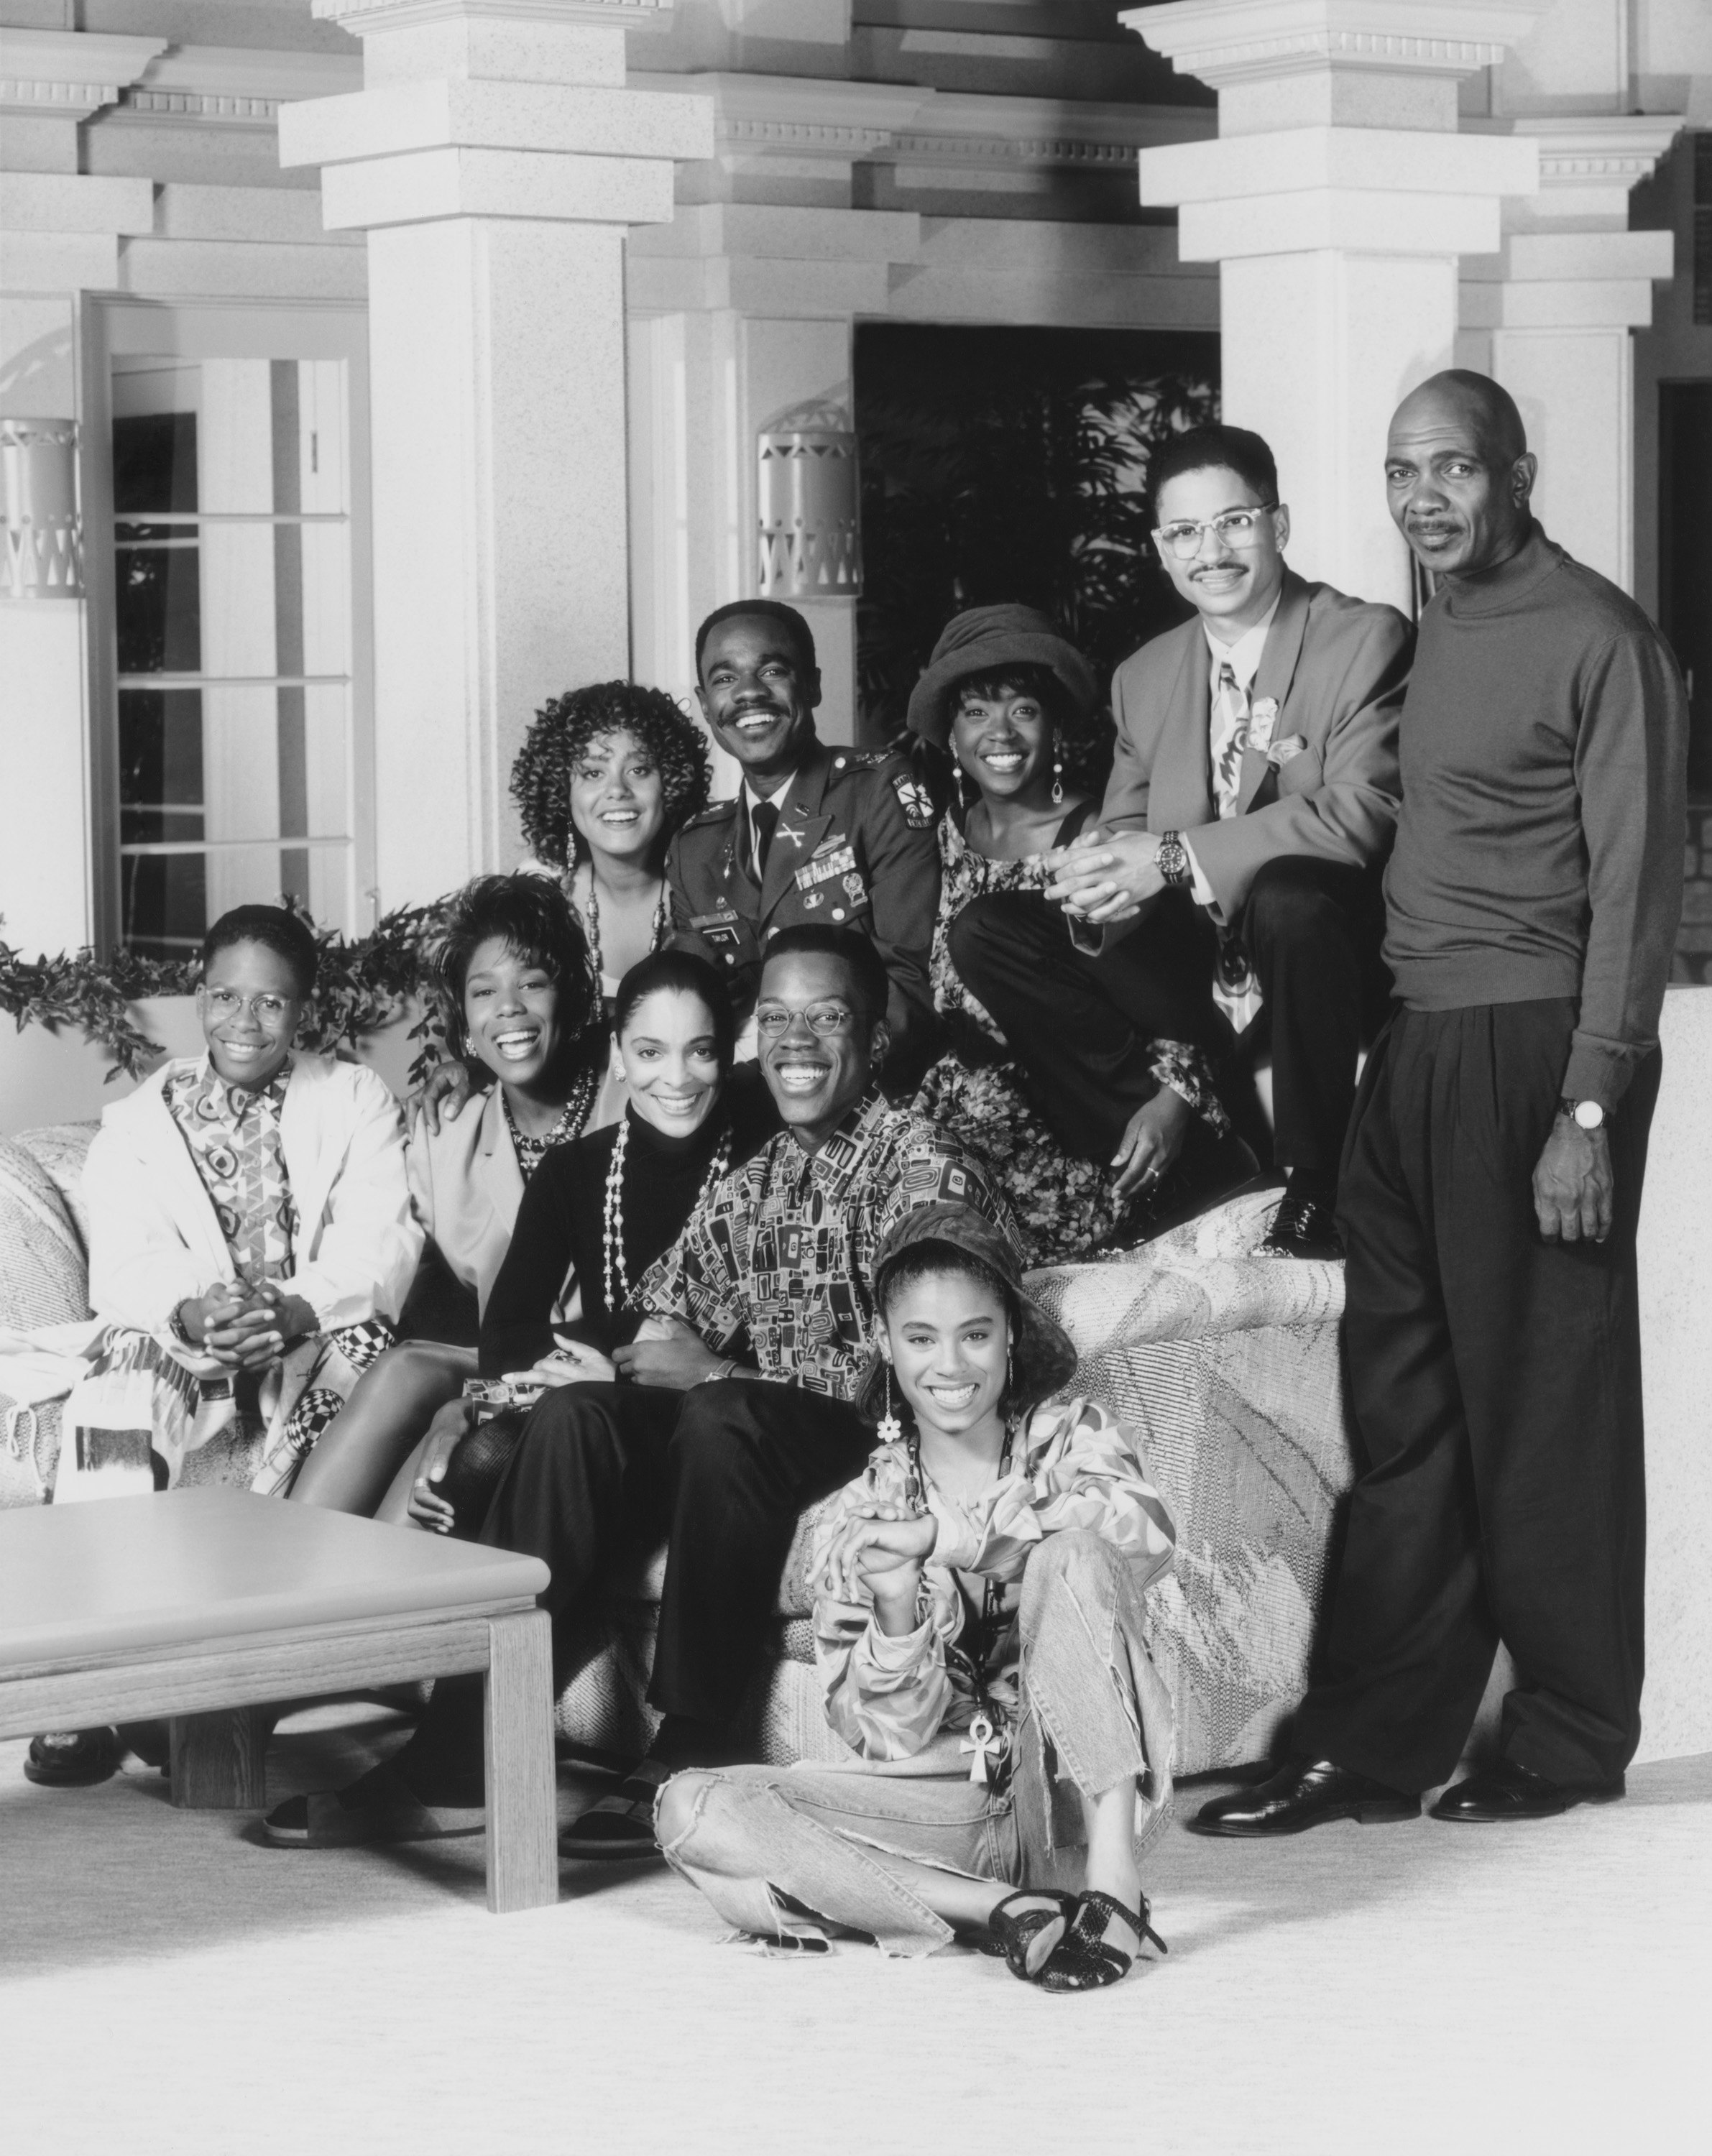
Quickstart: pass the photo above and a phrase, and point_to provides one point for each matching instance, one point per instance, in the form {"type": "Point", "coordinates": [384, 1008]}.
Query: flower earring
{"type": "Point", "coordinates": [1057, 768]}
{"type": "Point", "coordinates": [891, 1428]}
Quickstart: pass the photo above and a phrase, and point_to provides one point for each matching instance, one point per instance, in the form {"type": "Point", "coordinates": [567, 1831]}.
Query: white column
{"type": "Point", "coordinates": [1551, 315]}
{"type": "Point", "coordinates": [1337, 201]}
{"type": "Point", "coordinates": [496, 160]}
{"type": "Point", "coordinates": [59, 237]}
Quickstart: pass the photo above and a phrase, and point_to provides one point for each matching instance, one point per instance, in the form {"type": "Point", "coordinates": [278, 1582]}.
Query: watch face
{"type": "Point", "coordinates": [1589, 1114]}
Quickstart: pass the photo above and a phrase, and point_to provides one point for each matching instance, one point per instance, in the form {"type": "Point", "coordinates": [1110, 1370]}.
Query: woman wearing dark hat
{"type": "Point", "coordinates": [981, 1636]}
{"type": "Point", "coordinates": [1013, 703]}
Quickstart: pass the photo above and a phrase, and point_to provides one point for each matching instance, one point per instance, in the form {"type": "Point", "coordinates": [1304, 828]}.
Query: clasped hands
{"type": "Point", "coordinates": [665, 1352]}
{"type": "Point", "coordinates": [1104, 876]}
{"type": "Point", "coordinates": [882, 1546]}
{"type": "Point", "coordinates": [243, 1328]}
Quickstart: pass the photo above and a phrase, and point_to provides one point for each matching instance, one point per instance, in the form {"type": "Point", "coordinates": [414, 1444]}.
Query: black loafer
{"type": "Point", "coordinates": [1304, 1794]}
{"type": "Point", "coordinates": [1507, 1791]}
{"type": "Point", "coordinates": [1305, 1226]}
{"type": "Point", "coordinates": [72, 1759]}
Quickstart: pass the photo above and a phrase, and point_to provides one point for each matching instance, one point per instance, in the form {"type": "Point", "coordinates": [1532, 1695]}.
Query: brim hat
{"type": "Point", "coordinates": [1042, 1354]}
{"type": "Point", "coordinates": [986, 639]}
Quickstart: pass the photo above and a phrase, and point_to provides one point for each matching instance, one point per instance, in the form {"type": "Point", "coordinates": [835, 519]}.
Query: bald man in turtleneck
{"type": "Point", "coordinates": [1491, 1185]}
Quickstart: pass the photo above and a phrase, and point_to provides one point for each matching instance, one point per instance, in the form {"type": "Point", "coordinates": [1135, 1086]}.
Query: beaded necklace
{"type": "Point", "coordinates": [591, 915]}
{"type": "Point", "coordinates": [615, 1270]}
{"type": "Point", "coordinates": [571, 1117]}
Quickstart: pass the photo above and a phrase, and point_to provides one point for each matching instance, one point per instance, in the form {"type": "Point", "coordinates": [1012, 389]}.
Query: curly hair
{"type": "Point", "coordinates": [563, 728]}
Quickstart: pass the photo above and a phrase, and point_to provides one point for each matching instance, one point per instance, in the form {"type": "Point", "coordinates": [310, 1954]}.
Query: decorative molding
{"type": "Point", "coordinates": [797, 116]}
{"type": "Point", "coordinates": [237, 87]}
{"type": "Point", "coordinates": [1045, 132]}
{"type": "Point", "coordinates": [1619, 151]}
{"type": "Point", "coordinates": [68, 74]}
{"type": "Point", "coordinates": [363, 18]}
{"type": "Point", "coordinates": [1232, 41]}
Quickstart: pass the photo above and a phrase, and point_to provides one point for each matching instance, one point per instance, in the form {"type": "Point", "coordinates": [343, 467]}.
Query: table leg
{"type": "Point", "coordinates": [219, 1760]}
{"type": "Point", "coordinates": [522, 1808]}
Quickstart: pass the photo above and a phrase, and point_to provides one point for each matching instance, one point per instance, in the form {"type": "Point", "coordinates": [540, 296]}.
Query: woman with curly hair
{"type": "Point", "coordinates": [605, 777]}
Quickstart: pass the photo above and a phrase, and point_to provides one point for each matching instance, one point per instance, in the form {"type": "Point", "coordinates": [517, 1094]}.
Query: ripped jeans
{"type": "Point", "coordinates": [1093, 1712]}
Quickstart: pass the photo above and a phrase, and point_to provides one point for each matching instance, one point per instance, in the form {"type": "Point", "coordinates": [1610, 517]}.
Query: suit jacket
{"type": "Point", "coordinates": [466, 1187]}
{"type": "Point", "coordinates": [155, 1239]}
{"type": "Point", "coordinates": [1336, 668]}
{"type": "Point", "coordinates": [856, 847]}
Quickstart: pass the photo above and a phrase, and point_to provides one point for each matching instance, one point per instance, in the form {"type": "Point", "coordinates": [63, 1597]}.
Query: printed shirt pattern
{"type": "Point", "coordinates": [888, 1697]}
{"type": "Point", "coordinates": [234, 1139]}
{"type": "Point", "coordinates": [783, 1249]}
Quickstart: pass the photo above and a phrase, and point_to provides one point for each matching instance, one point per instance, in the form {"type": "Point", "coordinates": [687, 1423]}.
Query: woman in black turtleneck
{"type": "Point", "coordinates": [597, 1213]}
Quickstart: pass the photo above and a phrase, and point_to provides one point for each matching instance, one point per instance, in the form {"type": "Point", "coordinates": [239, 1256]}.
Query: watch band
{"type": "Point", "coordinates": [1173, 860]}
{"type": "Point", "coordinates": [176, 1327]}
{"type": "Point", "coordinates": [1586, 1115]}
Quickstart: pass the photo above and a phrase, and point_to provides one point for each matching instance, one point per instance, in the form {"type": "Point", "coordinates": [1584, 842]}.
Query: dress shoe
{"type": "Point", "coordinates": [1303, 1793]}
{"type": "Point", "coordinates": [1305, 1226]}
{"type": "Point", "coordinates": [1507, 1791]}
{"type": "Point", "coordinates": [1210, 1169]}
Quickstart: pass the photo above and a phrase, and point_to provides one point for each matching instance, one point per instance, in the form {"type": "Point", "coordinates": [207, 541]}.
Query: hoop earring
{"type": "Point", "coordinates": [1057, 768]}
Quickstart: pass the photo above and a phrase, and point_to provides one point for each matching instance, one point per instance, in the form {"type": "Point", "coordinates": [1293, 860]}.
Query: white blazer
{"type": "Point", "coordinates": [467, 1186]}
{"type": "Point", "coordinates": [155, 1239]}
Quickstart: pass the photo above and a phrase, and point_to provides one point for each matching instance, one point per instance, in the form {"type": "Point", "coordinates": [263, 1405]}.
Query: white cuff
{"type": "Point", "coordinates": [1199, 890]}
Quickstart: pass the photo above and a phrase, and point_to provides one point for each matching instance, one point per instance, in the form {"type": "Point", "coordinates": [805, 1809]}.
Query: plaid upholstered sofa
{"type": "Point", "coordinates": [1228, 1366]}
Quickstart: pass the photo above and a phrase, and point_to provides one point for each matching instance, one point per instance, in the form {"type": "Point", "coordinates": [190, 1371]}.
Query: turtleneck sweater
{"type": "Point", "coordinates": [559, 1240]}
{"type": "Point", "coordinates": [1540, 847]}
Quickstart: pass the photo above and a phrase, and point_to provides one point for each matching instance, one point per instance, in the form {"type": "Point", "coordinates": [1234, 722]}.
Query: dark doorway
{"type": "Point", "coordinates": [1012, 463]}
{"type": "Point", "coordinates": [1685, 558]}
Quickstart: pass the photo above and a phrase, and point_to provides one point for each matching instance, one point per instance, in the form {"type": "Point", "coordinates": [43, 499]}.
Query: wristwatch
{"type": "Point", "coordinates": [176, 1325]}
{"type": "Point", "coordinates": [1588, 1114]}
{"type": "Point", "coordinates": [1173, 860]}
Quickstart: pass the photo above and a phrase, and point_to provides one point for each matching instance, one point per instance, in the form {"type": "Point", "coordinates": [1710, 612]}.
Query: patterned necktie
{"type": "Point", "coordinates": [764, 819]}
{"type": "Point", "coordinates": [1230, 739]}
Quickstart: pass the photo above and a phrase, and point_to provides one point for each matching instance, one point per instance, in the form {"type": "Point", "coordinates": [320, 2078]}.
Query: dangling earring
{"type": "Point", "coordinates": [1057, 768]}
{"type": "Point", "coordinates": [891, 1428]}
{"type": "Point", "coordinates": [1010, 1372]}
{"type": "Point", "coordinates": [962, 797]}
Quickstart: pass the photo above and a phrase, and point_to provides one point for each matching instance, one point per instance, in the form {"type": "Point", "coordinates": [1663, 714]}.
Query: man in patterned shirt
{"type": "Point", "coordinates": [738, 1412]}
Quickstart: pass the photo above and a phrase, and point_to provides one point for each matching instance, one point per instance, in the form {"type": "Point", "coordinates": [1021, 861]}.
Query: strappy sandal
{"type": "Point", "coordinates": [1027, 1938]}
{"type": "Point", "coordinates": [1087, 1958]}
{"type": "Point", "coordinates": [621, 1825]}
{"type": "Point", "coordinates": [380, 1808]}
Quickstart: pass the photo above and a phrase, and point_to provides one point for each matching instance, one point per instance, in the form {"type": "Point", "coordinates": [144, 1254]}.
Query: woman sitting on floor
{"type": "Point", "coordinates": [1013, 703]}
{"type": "Point", "coordinates": [519, 997]}
{"type": "Point", "coordinates": [251, 1242]}
{"type": "Point", "coordinates": [599, 1213]}
{"type": "Point", "coordinates": [980, 1635]}
{"type": "Point", "coordinates": [606, 775]}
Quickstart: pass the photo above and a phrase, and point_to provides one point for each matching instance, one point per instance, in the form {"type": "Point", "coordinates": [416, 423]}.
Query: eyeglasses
{"type": "Point", "coordinates": [1238, 528]}
{"type": "Point", "coordinates": [224, 1004]}
{"type": "Point", "coordinates": [773, 1021]}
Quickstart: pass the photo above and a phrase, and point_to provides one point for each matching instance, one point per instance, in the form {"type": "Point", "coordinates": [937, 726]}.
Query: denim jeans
{"type": "Point", "coordinates": [1094, 1713]}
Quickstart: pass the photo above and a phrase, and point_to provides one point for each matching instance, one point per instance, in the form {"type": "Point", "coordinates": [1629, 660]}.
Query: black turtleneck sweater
{"type": "Point", "coordinates": [1539, 849]}
{"type": "Point", "coordinates": [560, 1234]}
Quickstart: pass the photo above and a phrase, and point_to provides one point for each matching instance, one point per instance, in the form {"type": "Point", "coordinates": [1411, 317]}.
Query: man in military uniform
{"type": "Point", "coordinates": [843, 837]}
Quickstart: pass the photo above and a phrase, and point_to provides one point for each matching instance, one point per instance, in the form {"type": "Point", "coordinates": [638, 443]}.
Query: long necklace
{"type": "Point", "coordinates": [968, 1655]}
{"type": "Point", "coordinates": [591, 915]}
{"type": "Point", "coordinates": [614, 1267]}
{"type": "Point", "coordinates": [571, 1117]}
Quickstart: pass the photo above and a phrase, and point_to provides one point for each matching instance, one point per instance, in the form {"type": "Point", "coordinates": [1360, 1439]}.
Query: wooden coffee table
{"type": "Point", "coordinates": [204, 1605]}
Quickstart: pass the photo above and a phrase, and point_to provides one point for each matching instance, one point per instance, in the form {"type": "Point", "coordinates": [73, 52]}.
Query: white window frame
{"type": "Point", "coordinates": [116, 328]}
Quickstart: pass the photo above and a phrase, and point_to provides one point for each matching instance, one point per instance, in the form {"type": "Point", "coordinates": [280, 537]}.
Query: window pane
{"type": "Point", "coordinates": [160, 765]}
{"type": "Point", "coordinates": [154, 460]}
{"type": "Point", "coordinates": [158, 599]}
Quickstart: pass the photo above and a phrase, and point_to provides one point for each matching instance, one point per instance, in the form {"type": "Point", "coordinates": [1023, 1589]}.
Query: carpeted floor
{"type": "Point", "coordinates": [168, 1988]}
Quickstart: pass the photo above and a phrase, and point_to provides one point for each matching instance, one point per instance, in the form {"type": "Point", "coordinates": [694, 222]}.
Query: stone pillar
{"type": "Point", "coordinates": [1337, 201]}
{"type": "Point", "coordinates": [60, 232]}
{"type": "Point", "coordinates": [496, 160]}
{"type": "Point", "coordinates": [1550, 317]}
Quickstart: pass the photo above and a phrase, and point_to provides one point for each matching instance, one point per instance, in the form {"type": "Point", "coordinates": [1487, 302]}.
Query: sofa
{"type": "Point", "coordinates": [1227, 1365]}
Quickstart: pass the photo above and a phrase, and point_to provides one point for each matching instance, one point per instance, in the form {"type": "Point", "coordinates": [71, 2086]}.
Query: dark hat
{"type": "Point", "coordinates": [1043, 1356]}
{"type": "Point", "coordinates": [981, 640]}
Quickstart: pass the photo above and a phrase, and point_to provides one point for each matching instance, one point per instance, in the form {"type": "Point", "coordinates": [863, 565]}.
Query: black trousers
{"type": "Point", "coordinates": [1083, 1023]}
{"type": "Point", "coordinates": [1496, 1383]}
{"type": "Point", "coordinates": [601, 1472]}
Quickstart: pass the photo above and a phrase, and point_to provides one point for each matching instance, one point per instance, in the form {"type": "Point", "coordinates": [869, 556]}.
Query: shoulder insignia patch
{"type": "Point", "coordinates": [915, 801]}
{"type": "Point", "coordinates": [718, 811]}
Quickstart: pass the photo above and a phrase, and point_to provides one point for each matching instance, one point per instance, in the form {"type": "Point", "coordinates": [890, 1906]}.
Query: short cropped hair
{"type": "Point", "coordinates": [1205, 448]}
{"type": "Point", "coordinates": [854, 953]}
{"type": "Point", "coordinates": [681, 972]}
{"type": "Point", "coordinates": [802, 636]}
{"type": "Point", "coordinates": [288, 934]}
{"type": "Point", "coordinates": [563, 728]}
{"type": "Point", "coordinates": [535, 920]}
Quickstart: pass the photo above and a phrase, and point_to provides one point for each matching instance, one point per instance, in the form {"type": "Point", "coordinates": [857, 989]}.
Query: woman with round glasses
{"type": "Point", "coordinates": [1014, 704]}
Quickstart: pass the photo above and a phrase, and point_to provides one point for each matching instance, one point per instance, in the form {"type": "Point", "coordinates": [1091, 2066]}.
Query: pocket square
{"type": "Point", "coordinates": [1281, 752]}
{"type": "Point", "coordinates": [1263, 717]}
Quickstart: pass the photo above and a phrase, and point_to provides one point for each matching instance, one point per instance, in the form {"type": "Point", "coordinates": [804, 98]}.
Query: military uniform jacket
{"type": "Point", "coordinates": [855, 847]}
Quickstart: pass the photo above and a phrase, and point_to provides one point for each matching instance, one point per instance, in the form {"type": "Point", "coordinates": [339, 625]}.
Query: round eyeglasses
{"type": "Point", "coordinates": [773, 1021]}
{"type": "Point", "coordinates": [1238, 528]}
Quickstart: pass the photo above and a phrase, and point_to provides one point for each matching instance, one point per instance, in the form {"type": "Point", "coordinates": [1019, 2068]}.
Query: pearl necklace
{"type": "Point", "coordinates": [616, 1272]}
{"type": "Point", "coordinates": [573, 1116]}
{"type": "Point", "coordinates": [591, 915]}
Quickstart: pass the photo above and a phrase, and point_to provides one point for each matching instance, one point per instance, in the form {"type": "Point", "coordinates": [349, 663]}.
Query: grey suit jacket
{"type": "Point", "coordinates": [1336, 668]}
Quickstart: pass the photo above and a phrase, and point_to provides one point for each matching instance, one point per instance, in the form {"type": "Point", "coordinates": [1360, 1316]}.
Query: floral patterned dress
{"type": "Point", "coordinates": [975, 1090]}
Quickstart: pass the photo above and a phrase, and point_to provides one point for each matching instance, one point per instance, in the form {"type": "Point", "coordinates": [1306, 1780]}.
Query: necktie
{"type": "Point", "coordinates": [764, 819]}
{"type": "Point", "coordinates": [1230, 739]}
